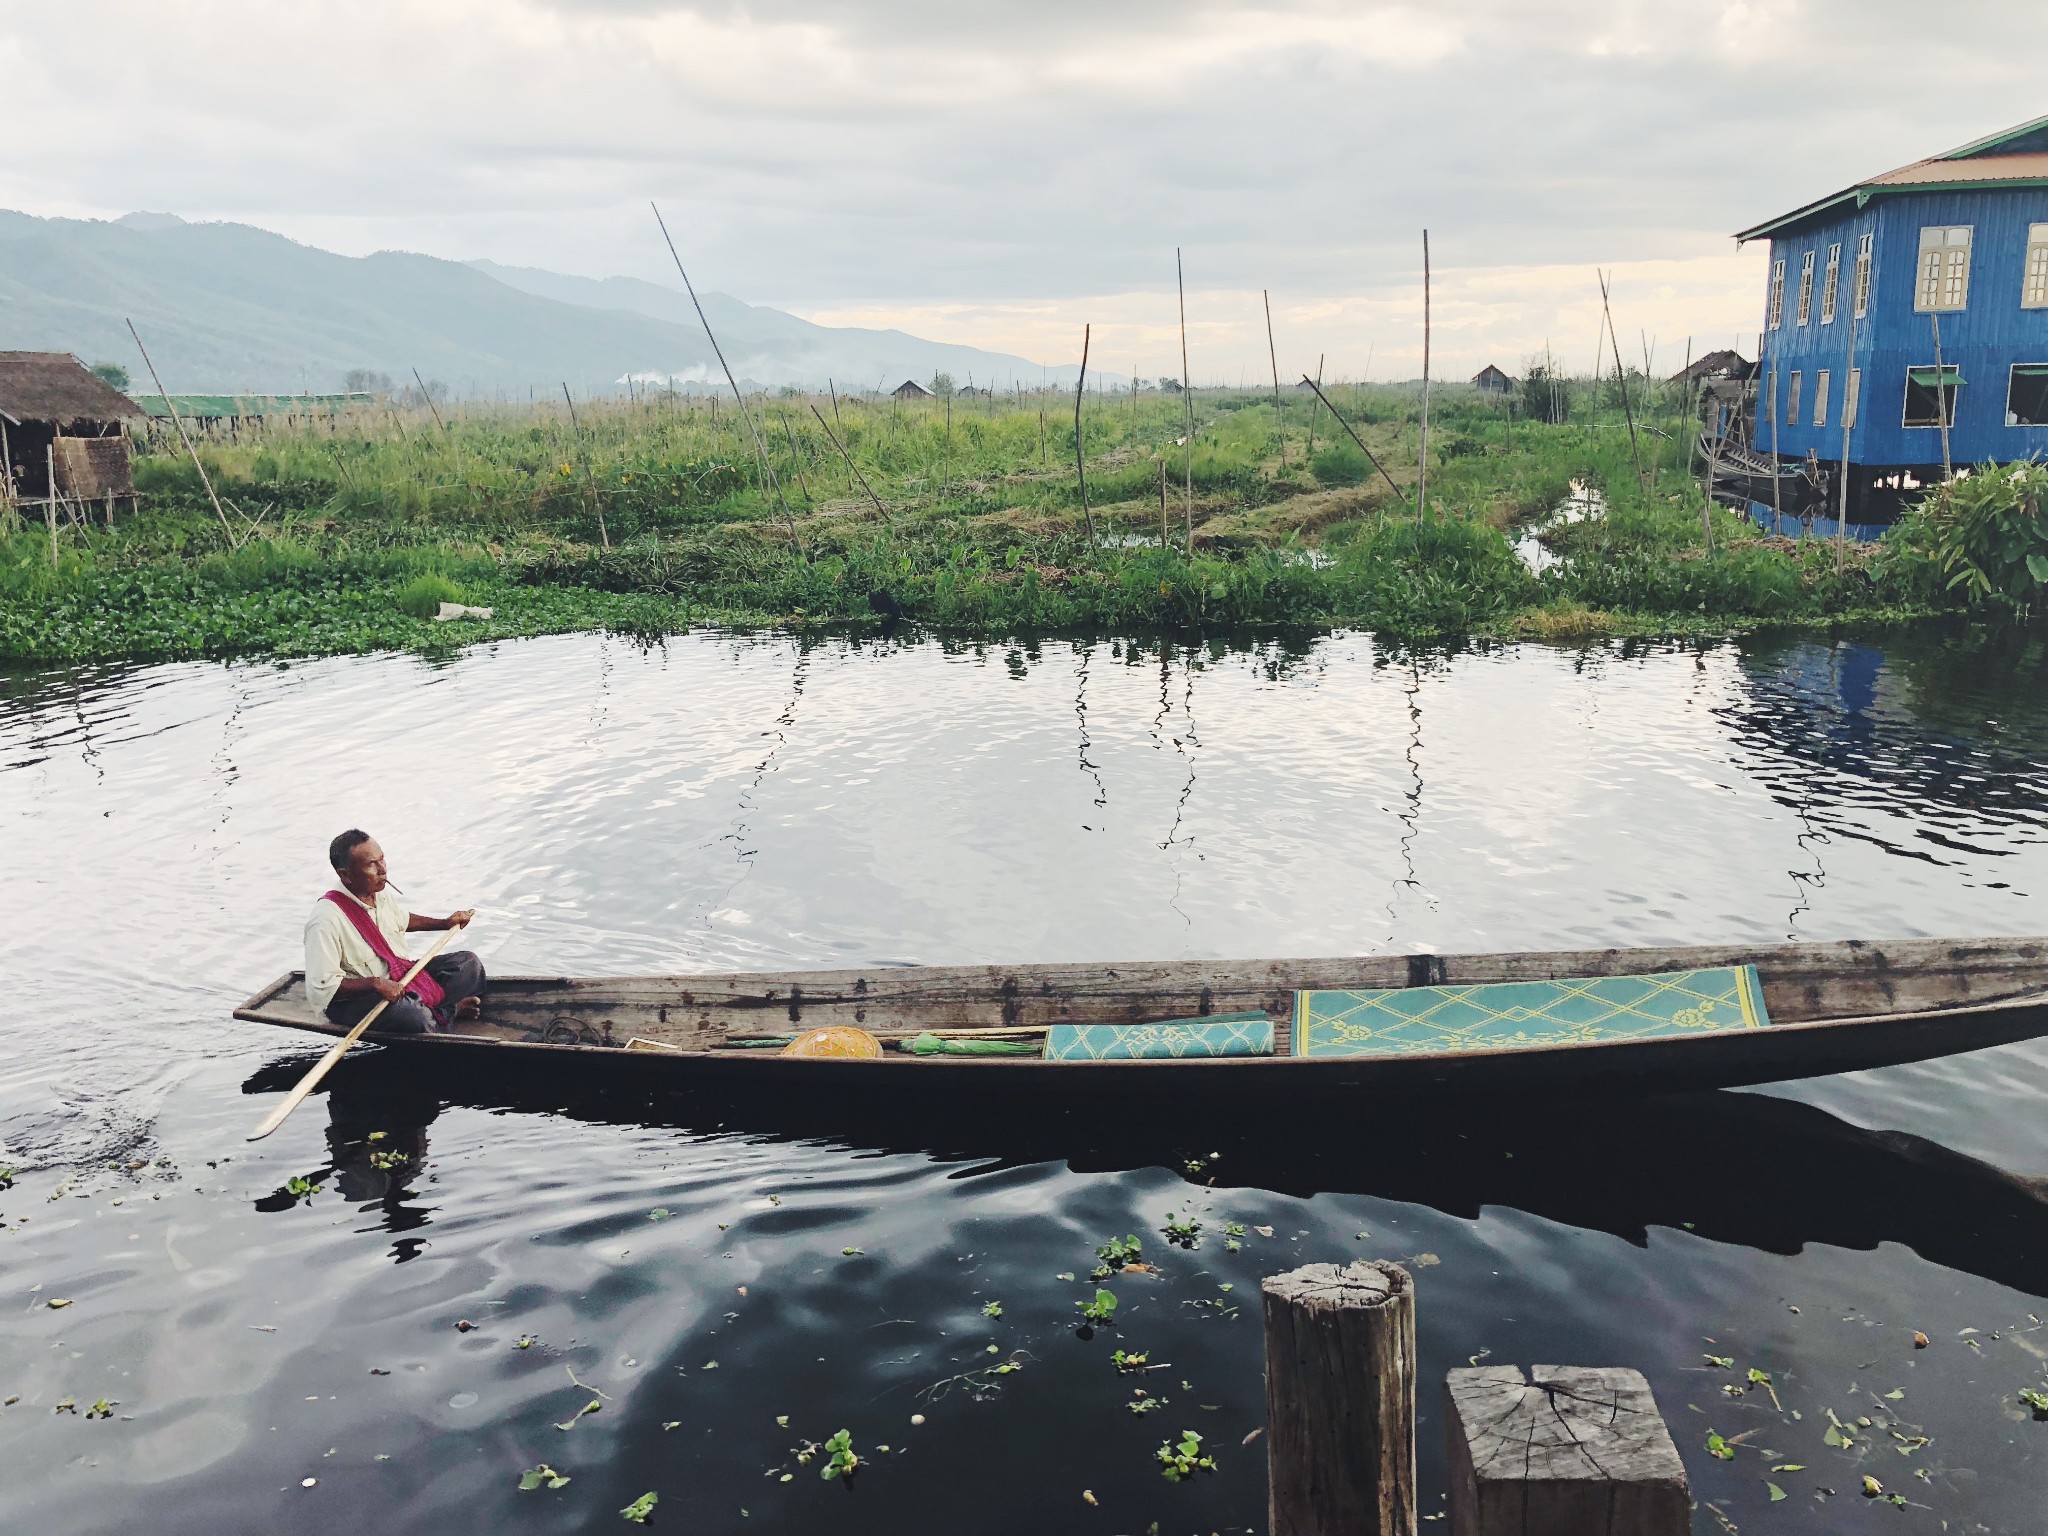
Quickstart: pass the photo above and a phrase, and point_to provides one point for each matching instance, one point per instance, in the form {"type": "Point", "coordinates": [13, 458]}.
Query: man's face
{"type": "Point", "coordinates": [365, 872]}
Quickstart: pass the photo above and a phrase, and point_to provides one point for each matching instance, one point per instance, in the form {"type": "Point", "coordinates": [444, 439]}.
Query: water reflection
{"type": "Point", "coordinates": [1762, 1172]}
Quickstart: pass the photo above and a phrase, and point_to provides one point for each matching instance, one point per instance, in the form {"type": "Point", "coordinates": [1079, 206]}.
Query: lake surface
{"type": "Point", "coordinates": [732, 1282]}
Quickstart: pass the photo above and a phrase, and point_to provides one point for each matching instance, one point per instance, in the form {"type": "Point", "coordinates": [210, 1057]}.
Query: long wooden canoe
{"type": "Point", "coordinates": [1832, 1008]}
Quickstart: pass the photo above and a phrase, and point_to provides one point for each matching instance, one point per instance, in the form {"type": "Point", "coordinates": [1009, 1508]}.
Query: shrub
{"type": "Point", "coordinates": [423, 596]}
{"type": "Point", "coordinates": [1982, 535]}
{"type": "Point", "coordinates": [1341, 464]}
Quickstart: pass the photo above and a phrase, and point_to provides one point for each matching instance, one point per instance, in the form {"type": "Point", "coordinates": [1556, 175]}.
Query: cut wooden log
{"type": "Point", "coordinates": [1340, 1401]}
{"type": "Point", "coordinates": [1571, 1450]}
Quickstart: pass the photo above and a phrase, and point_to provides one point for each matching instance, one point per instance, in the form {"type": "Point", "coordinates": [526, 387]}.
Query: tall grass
{"type": "Point", "coordinates": [357, 527]}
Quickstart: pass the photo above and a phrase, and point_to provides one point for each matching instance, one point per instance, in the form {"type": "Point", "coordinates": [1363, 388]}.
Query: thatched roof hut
{"type": "Point", "coordinates": [55, 417]}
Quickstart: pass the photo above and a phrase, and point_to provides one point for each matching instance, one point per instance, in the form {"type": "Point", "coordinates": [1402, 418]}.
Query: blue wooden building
{"type": "Point", "coordinates": [1904, 303]}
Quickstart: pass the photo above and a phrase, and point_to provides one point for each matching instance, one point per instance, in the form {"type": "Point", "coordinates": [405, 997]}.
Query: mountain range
{"type": "Point", "coordinates": [230, 308]}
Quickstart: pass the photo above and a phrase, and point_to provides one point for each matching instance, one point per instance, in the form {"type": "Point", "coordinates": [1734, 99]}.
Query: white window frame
{"type": "Point", "coordinates": [1852, 399]}
{"type": "Point", "coordinates": [1941, 278]}
{"type": "Point", "coordinates": [1821, 382]}
{"type": "Point", "coordinates": [2034, 276]}
{"type": "Point", "coordinates": [1793, 390]}
{"type": "Point", "coordinates": [1831, 284]}
{"type": "Point", "coordinates": [1806, 287]}
{"type": "Point", "coordinates": [1864, 243]}
{"type": "Point", "coordinates": [1777, 305]}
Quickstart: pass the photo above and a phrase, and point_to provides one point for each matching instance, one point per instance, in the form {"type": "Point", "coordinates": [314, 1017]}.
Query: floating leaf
{"type": "Point", "coordinates": [993, 1309]}
{"type": "Point", "coordinates": [851, 1253]}
{"type": "Point", "coordinates": [1718, 1448]}
{"type": "Point", "coordinates": [1790, 1466]}
{"type": "Point", "coordinates": [541, 1476]}
{"type": "Point", "coordinates": [1776, 1492]}
{"type": "Point", "coordinates": [642, 1508]}
{"type": "Point", "coordinates": [1872, 1488]}
{"type": "Point", "coordinates": [659, 1213]}
{"type": "Point", "coordinates": [1725, 1362]}
{"type": "Point", "coordinates": [590, 1407]}
{"type": "Point", "coordinates": [844, 1462]}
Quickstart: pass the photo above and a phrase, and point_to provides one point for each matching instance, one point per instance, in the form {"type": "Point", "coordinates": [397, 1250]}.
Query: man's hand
{"type": "Point", "coordinates": [386, 988]}
{"type": "Point", "coordinates": [461, 919]}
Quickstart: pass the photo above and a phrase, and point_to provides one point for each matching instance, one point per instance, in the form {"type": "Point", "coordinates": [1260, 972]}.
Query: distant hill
{"type": "Point", "coordinates": [228, 307]}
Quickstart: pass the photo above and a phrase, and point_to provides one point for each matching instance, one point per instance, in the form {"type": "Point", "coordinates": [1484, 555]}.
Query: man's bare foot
{"type": "Point", "coordinates": [469, 1008]}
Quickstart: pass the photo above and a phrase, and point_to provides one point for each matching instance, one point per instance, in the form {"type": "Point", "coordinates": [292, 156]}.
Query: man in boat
{"type": "Point", "coordinates": [355, 951]}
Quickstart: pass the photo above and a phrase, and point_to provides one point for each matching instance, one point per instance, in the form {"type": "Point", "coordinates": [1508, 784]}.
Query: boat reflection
{"type": "Point", "coordinates": [1742, 1168]}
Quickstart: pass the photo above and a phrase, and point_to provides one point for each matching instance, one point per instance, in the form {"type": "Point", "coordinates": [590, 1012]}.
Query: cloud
{"type": "Point", "coordinates": [1007, 169]}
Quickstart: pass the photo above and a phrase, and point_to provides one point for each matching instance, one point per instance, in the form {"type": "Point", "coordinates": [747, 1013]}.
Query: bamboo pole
{"type": "Point", "coordinates": [1162, 503]}
{"type": "Point", "coordinates": [1621, 378]}
{"type": "Point", "coordinates": [1371, 458]}
{"type": "Point", "coordinates": [863, 479]}
{"type": "Point", "coordinates": [1315, 403]}
{"type": "Point", "coordinates": [770, 483]}
{"type": "Point", "coordinates": [1187, 396]}
{"type": "Point", "coordinates": [229, 528]}
{"type": "Point", "coordinates": [1948, 468]}
{"type": "Point", "coordinates": [1422, 476]}
{"type": "Point", "coordinates": [50, 502]}
{"type": "Point", "coordinates": [796, 460]}
{"type": "Point", "coordinates": [1080, 452]}
{"type": "Point", "coordinates": [590, 496]}
{"type": "Point", "coordinates": [1273, 357]}
{"type": "Point", "coordinates": [1850, 402]}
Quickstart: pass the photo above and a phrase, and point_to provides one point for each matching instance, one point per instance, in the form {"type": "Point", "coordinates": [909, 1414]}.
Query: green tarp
{"type": "Point", "coordinates": [1527, 1015]}
{"type": "Point", "coordinates": [1216, 1034]}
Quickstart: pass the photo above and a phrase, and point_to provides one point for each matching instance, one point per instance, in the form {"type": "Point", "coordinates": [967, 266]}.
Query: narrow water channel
{"type": "Point", "coordinates": [732, 1282]}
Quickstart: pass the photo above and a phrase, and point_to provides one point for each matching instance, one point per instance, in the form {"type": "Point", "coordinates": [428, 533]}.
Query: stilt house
{"type": "Point", "coordinates": [910, 389]}
{"type": "Point", "coordinates": [1493, 380]}
{"type": "Point", "coordinates": [1911, 309]}
{"type": "Point", "coordinates": [55, 416]}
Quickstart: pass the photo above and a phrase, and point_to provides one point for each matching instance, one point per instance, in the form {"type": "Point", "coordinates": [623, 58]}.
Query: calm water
{"type": "Point", "coordinates": [744, 802]}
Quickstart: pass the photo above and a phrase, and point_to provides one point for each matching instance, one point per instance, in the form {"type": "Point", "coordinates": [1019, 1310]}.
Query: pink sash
{"type": "Point", "coordinates": [424, 987]}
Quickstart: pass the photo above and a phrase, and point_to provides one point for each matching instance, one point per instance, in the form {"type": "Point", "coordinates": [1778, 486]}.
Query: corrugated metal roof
{"type": "Point", "coordinates": [2015, 157]}
{"type": "Point", "coordinates": [55, 386]}
{"type": "Point", "coordinates": [1954, 172]}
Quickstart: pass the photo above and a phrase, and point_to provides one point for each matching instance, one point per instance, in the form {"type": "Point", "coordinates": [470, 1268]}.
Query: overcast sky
{"type": "Point", "coordinates": [1000, 174]}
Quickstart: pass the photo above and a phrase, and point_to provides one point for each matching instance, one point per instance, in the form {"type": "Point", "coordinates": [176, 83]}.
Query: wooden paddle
{"type": "Point", "coordinates": [311, 1080]}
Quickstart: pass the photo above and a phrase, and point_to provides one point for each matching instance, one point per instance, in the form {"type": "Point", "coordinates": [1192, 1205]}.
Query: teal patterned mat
{"type": "Point", "coordinates": [1218, 1034]}
{"type": "Point", "coordinates": [1525, 1015]}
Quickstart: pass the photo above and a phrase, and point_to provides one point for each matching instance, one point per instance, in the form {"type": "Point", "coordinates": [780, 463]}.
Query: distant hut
{"type": "Point", "coordinates": [1493, 381]}
{"type": "Point", "coordinates": [1724, 364]}
{"type": "Point", "coordinates": [910, 389]}
{"type": "Point", "coordinates": [56, 418]}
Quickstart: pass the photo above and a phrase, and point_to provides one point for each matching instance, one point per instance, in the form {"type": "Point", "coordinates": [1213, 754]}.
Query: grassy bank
{"type": "Point", "coordinates": [965, 516]}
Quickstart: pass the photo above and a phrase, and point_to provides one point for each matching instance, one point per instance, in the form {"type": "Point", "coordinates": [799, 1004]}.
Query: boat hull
{"type": "Point", "coordinates": [1833, 1008]}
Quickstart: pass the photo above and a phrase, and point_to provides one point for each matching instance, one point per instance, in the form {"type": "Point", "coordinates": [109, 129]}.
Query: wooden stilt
{"type": "Point", "coordinates": [1574, 1449]}
{"type": "Point", "coordinates": [1340, 1401]}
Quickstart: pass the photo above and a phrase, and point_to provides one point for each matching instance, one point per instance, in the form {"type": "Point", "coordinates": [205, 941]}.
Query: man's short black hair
{"type": "Point", "coordinates": [339, 850]}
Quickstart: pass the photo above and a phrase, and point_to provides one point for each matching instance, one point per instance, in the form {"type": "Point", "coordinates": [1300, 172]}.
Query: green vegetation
{"type": "Point", "coordinates": [649, 515]}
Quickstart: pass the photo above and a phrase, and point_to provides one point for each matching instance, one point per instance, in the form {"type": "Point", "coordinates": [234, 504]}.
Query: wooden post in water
{"type": "Point", "coordinates": [1575, 1449]}
{"type": "Point", "coordinates": [1340, 1401]}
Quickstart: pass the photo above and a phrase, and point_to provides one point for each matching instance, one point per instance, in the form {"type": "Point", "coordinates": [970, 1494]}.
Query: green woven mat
{"type": "Point", "coordinates": [1524, 1015]}
{"type": "Point", "coordinates": [1217, 1034]}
